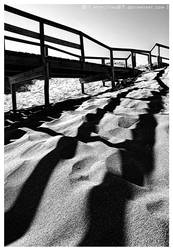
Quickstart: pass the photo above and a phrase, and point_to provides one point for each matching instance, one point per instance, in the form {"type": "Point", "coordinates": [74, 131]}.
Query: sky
{"type": "Point", "coordinates": [118, 25]}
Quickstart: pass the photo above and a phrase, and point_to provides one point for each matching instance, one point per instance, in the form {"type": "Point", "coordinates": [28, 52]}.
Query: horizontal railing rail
{"type": "Point", "coordinates": [25, 32]}
{"type": "Point", "coordinates": [39, 19]}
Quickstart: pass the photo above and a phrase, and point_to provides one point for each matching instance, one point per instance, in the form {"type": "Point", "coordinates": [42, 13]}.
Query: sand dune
{"type": "Point", "coordinates": [99, 179]}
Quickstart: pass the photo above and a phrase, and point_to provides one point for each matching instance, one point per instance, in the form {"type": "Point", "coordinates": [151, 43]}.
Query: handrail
{"type": "Point", "coordinates": [44, 69]}
{"type": "Point", "coordinates": [165, 58]}
{"type": "Point", "coordinates": [21, 40]}
{"type": "Point", "coordinates": [39, 19]}
{"type": "Point", "coordinates": [63, 51]}
{"type": "Point", "coordinates": [163, 46]}
{"type": "Point", "coordinates": [25, 32]}
{"type": "Point", "coordinates": [50, 39]}
{"type": "Point", "coordinates": [131, 50]}
{"type": "Point", "coordinates": [45, 38]}
{"type": "Point", "coordinates": [159, 45]}
{"type": "Point", "coordinates": [96, 41]}
{"type": "Point", "coordinates": [106, 58]}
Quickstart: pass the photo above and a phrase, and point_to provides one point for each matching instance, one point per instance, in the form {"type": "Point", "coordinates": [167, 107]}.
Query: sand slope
{"type": "Point", "coordinates": [101, 179]}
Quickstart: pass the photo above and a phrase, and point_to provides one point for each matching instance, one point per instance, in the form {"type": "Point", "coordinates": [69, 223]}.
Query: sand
{"type": "Point", "coordinates": [101, 179]}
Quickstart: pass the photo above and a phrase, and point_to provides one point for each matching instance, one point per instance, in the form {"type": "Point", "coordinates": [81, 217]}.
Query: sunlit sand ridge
{"type": "Point", "coordinates": [101, 179]}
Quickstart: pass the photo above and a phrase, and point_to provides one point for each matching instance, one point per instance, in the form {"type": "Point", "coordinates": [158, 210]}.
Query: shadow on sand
{"type": "Point", "coordinates": [107, 201]}
{"type": "Point", "coordinates": [20, 216]}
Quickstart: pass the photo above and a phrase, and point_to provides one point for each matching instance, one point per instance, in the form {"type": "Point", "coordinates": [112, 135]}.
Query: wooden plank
{"type": "Point", "coordinates": [95, 41]}
{"type": "Point", "coordinates": [131, 50]}
{"type": "Point", "coordinates": [39, 19]}
{"type": "Point", "coordinates": [20, 40]}
{"type": "Point", "coordinates": [62, 42]}
{"type": "Point", "coordinates": [63, 51]}
{"type": "Point", "coordinates": [141, 52]}
{"type": "Point", "coordinates": [120, 58]}
{"type": "Point", "coordinates": [165, 58]}
{"type": "Point", "coordinates": [27, 75]}
{"type": "Point", "coordinates": [162, 46]}
{"type": "Point", "coordinates": [97, 57]}
{"type": "Point", "coordinates": [29, 33]}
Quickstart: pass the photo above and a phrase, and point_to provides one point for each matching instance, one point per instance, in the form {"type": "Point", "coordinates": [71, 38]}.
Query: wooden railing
{"type": "Point", "coordinates": [44, 38]}
{"type": "Point", "coordinates": [44, 48]}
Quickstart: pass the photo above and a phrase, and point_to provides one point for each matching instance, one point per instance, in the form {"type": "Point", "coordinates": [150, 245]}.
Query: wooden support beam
{"type": "Point", "coordinates": [133, 59]}
{"type": "Point", "coordinates": [159, 59]}
{"type": "Point", "coordinates": [20, 40]}
{"type": "Point", "coordinates": [28, 75]}
{"type": "Point", "coordinates": [82, 88]}
{"type": "Point", "coordinates": [82, 59]}
{"type": "Point", "coordinates": [162, 46]}
{"type": "Point", "coordinates": [103, 61]}
{"type": "Point", "coordinates": [158, 50]}
{"type": "Point", "coordinates": [44, 52]}
{"type": "Point", "coordinates": [104, 83]}
{"type": "Point", "coordinates": [13, 94]}
{"type": "Point", "coordinates": [63, 51]}
{"type": "Point", "coordinates": [150, 59]}
{"type": "Point", "coordinates": [112, 69]}
{"type": "Point", "coordinates": [139, 51]}
{"type": "Point", "coordinates": [125, 63]}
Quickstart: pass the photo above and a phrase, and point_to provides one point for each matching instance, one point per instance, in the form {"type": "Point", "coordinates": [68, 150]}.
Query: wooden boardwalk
{"type": "Point", "coordinates": [21, 67]}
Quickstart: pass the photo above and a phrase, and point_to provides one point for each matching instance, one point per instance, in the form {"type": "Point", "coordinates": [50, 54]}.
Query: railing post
{"type": "Point", "coordinates": [82, 59]}
{"type": "Point", "coordinates": [82, 49]}
{"type": "Point", "coordinates": [159, 59]}
{"type": "Point", "coordinates": [150, 60]}
{"type": "Point", "coordinates": [13, 93]}
{"type": "Point", "coordinates": [44, 53]}
{"type": "Point", "coordinates": [112, 69]}
{"type": "Point", "coordinates": [103, 61]}
{"type": "Point", "coordinates": [125, 63]}
{"type": "Point", "coordinates": [133, 55]}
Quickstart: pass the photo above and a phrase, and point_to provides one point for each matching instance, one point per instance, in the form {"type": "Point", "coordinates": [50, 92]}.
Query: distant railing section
{"type": "Point", "coordinates": [44, 48]}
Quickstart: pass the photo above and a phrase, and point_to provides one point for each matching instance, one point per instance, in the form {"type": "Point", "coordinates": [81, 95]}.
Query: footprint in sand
{"type": "Point", "coordinates": [126, 122]}
{"type": "Point", "coordinates": [157, 206]}
{"type": "Point", "coordinates": [80, 169]}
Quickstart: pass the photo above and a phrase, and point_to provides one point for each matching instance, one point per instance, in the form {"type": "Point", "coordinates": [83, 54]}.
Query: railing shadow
{"type": "Point", "coordinates": [106, 209]}
{"type": "Point", "coordinates": [18, 219]}
{"type": "Point", "coordinates": [107, 201]}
